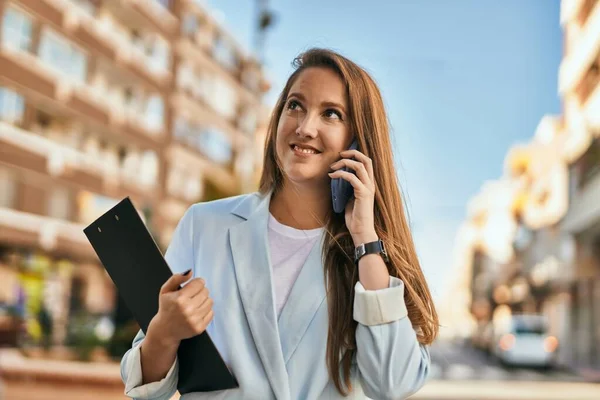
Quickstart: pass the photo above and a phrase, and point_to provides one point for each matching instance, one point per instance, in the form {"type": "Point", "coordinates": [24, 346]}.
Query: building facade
{"type": "Point", "coordinates": [530, 243]}
{"type": "Point", "coordinates": [99, 100]}
{"type": "Point", "coordinates": [579, 83]}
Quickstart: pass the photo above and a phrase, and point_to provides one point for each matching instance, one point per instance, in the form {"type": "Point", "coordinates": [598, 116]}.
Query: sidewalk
{"type": "Point", "coordinates": [13, 364]}
{"type": "Point", "coordinates": [41, 379]}
{"type": "Point", "coordinates": [507, 390]}
{"type": "Point", "coordinates": [23, 378]}
{"type": "Point", "coordinates": [589, 374]}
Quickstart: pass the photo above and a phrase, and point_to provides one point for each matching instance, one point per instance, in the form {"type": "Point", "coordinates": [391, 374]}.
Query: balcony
{"type": "Point", "coordinates": [585, 50]}
{"type": "Point", "coordinates": [196, 112]}
{"type": "Point", "coordinates": [187, 50]}
{"type": "Point", "coordinates": [100, 173]}
{"type": "Point", "coordinates": [28, 72]}
{"type": "Point", "coordinates": [123, 51]}
{"type": "Point", "coordinates": [155, 70]}
{"type": "Point", "coordinates": [547, 201]}
{"type": "Point", "coordinates": [147, 12]}
{"type": "Point", "coordinates": [39, 77]}
{"type": "Point", "coordinates": [84, 26]}
{"type": "Point", "coordinates": [101, 35]}
{"type": "Point", "coordinates": [67, 16]}
{"type": "Point", "coordinates": [203, 33]}
{"type": "Point", "coordinates": [138, 111]}
{"type": "Point", "coordinates": [57, 236]}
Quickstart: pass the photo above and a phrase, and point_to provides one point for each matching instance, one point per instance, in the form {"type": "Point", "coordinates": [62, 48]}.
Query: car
{"type": "Point", "coordinates": [524, 340]}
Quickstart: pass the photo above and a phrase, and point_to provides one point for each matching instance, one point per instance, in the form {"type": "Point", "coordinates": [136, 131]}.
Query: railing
{"type": "Point", "coordinates": [61, 157]}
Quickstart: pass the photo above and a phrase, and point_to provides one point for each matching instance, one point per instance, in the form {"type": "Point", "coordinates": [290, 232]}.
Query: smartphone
{"type": "Point", "coordinates": [341, 190]}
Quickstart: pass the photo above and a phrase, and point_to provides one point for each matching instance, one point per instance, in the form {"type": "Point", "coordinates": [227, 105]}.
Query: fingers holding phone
{"type": "Point", "coordinates": [356, 170]}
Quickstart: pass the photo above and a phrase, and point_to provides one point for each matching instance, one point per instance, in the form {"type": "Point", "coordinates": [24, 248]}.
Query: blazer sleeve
{"type": "Point", "coordinates": [391, 362]}
{"type": "Point", "coordinates": [180, 257]}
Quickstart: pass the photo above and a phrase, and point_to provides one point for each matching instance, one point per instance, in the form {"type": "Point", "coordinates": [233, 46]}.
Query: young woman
{"type": "Point", "coordinates": [292, 310]}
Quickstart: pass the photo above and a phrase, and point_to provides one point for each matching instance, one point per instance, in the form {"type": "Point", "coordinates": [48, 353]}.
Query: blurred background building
{"type": "Point", "coordinates": [531, 240]}
{"type": "Point", "coordinates": [102, 99]}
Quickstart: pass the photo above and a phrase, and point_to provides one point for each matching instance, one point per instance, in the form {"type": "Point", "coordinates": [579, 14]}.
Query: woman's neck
{"type": "Point", "coordinates": [300, 207]}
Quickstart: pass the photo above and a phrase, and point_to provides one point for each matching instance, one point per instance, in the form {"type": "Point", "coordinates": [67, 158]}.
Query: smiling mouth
{"type": "Point", "coordinates": [304, 150]}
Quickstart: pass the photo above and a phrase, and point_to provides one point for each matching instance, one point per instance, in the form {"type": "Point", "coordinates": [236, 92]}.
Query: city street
{"type": "Point", "coordinates": [461, 372]}
{"type": "Point", "coordinates": [462, 362]}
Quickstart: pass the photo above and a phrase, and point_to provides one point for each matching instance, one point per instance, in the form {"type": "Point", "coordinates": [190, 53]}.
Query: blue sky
{"type": "Point", "coordinates": [463, 80]}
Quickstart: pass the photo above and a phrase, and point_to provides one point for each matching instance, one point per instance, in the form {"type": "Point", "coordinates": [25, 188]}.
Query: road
{"type": "Point", "coordinates": [460, 362]}
{"type": "Point", "coordinates": [460, 372]}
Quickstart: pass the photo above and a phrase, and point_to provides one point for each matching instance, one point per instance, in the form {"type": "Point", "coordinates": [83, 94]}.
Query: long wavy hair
{"type": "Point", "coordinates": [369, 124]}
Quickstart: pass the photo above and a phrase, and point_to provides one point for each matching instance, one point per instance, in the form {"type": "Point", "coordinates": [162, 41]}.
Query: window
{"type": "Point", "coordinates": [8, 188]}
{"type": "Point", "coordinates": [248, 121]}
{"type": "Point", "coordinates": [153, 47]}
{"type": "Point", "coordinates": [189, 25]}
{"type": "Point", "coordinates": [158, 53]}
{"type": "Point", "coordinates": [251, 78]}
{"type": "Point", "coordinates": [223, 99]}
{"type": "Point", "coordinates": [63, 56]}
{"type": "Point", "coordinates": [187, 133]}
{"type": "Point", "coordinates": [155, 113]}
{"type": "Point", "coordinates": [181, 129]}
{"type": "Point", "coordinates": [185, 76]}
{"type": "Point", "coordinates": [148, 168]}
{"type": "Point", "coordinates": [59, 204]}
{"type": "Point", "coordinates": [215, 146]}
{"type": "Point", "coordinates": [205, 87]}
{"type": "Point", "coordinates": [16, 30]}
{"type": "Point", "coordinates": [224, 54]}
{"type": "Point", "coordinates": [534, 326]}
{"type": "Point", "coordinates": [12, 106]}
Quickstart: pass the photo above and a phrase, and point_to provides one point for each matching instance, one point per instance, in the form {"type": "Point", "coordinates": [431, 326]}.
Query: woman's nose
{"type": "Point", "coordinates": [307, 125]}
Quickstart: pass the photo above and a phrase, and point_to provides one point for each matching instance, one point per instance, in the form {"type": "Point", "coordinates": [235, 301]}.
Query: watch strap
{"type": "Point", "coordinates": [376, 247]}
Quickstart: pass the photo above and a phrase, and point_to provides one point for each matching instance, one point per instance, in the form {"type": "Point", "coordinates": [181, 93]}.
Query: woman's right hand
{"type": "Point", "coordinates": [183, 313]}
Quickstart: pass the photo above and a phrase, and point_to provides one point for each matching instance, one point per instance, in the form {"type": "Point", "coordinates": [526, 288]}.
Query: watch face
{"type": "Point", "coordinates": [358, 252]}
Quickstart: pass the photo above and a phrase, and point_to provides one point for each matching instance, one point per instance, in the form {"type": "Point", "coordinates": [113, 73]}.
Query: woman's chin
{"type": "Point", "coordinates": [302, 178]}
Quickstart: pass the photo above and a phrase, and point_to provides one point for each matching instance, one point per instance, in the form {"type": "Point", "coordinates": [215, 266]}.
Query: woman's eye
{"type": "Point", "coordinates": [333, 114]}
{"type": "Point", "coordinates": [293, 105]}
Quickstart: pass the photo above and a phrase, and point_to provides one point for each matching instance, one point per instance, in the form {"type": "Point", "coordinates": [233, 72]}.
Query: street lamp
{"type": "Point", "coordinates": [265, 19]}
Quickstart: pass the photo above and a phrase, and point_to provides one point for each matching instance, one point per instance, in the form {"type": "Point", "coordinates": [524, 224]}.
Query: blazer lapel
{"type": "Point", "coordinates": [251, 258]}
{"type": "Point", "coordinates": [307, 295]}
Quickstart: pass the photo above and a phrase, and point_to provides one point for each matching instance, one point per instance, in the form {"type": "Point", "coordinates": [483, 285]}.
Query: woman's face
{"type": "Point", "coordinates": [313, 128]}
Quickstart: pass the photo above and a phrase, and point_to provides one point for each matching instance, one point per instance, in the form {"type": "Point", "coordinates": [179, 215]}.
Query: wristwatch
{"type": "Point", "coordinates": [376, 247]}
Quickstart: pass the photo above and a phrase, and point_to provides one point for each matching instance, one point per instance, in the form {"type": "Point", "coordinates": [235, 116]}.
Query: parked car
{"type": "Point", "coordinates": [524, 340]}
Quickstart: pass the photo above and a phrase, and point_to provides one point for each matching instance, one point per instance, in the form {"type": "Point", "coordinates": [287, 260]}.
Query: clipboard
{"type": "Point", "coordinates": [138, 269]}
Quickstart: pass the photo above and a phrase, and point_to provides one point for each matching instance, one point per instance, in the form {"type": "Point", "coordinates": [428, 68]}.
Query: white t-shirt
{"type": "Point", "coordinates": [289, 248]}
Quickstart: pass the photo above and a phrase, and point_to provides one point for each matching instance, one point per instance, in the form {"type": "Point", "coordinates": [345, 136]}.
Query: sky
{"type": "Point", "coordinates": [463, 81]}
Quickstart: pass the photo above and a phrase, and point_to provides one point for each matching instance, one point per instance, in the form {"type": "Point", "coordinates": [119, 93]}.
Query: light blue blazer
{"type": "Point", "coordinates": [225, 242]}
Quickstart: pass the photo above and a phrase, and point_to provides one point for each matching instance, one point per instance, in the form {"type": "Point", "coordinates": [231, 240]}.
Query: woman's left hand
{"type": "Point", "coordinates": [360, 210]}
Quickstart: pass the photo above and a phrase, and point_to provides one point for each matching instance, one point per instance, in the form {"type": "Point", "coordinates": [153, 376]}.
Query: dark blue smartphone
{"type": "Point", "coordinates": [341, 190]}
